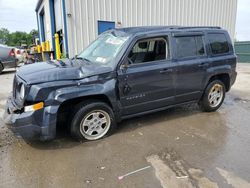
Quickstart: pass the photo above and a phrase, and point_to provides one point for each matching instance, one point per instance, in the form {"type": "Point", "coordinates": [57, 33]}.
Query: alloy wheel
{"type": "Point", "coordinates": [95, 124]}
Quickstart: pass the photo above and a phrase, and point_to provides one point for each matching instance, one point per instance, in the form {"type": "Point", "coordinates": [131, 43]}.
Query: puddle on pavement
{"type": "Point", "coordinates": [174, 175]}
{"type": "Point", "coordinates": [202, 142]}
{"type": "Point", "coordinates": [172, 171]}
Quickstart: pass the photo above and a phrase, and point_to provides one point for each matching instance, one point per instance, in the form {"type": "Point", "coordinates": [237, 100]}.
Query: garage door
{"type": "Point", "coordinates": [58, 14]}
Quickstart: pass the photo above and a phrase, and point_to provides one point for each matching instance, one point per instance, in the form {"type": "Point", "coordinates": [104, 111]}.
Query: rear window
{"type": "Point", "coordinates": [218, 43]}
{"type": "Point", "coordinates": [189, 46]}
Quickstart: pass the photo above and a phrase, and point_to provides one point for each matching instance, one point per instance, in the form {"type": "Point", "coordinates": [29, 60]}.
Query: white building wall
{"type": "Point", "coordinates": [84, 14]}
{"type": "Point", "coordinates": [47, 21]}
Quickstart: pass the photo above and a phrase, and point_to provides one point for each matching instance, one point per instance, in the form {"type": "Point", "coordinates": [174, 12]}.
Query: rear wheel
{"type": "Point", "coordinates": [213, 96]}
{"type": "Point", "coordinates": [92, 121]}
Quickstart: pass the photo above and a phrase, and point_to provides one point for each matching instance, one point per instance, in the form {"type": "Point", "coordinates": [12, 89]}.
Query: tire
{"type": "Point", "coordinates": [92, 121]}
{"type": "Point", "coordinates": [213, 96]}
{"type": "Point", "coordinates": [1, 68]}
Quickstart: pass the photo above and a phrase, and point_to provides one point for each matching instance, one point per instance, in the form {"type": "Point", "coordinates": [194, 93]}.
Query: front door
{"type": "Point", "coordinates": [147, 82]}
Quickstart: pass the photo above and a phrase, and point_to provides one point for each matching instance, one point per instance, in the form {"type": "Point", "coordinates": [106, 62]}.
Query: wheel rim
{"type": "Point", "coordinates": [215, 95]}
{"type": "Point", "coordinates": [95, 124]}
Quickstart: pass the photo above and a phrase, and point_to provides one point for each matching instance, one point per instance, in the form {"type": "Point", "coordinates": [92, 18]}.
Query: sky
{"type": "Point", "coordinates": [19, 15]}
{"type": "Point", "coordinates": [243, 20]}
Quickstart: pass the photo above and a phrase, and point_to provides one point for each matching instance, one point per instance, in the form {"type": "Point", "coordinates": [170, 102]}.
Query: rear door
{"type": "Point", "coordinates": [190, 55]}
{"type": "Point", "coordinates": [147, 82]}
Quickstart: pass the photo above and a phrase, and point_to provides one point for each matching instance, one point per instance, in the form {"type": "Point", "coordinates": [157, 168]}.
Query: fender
{"type": "Point", "coordinates": [216, 70]}
{"type": "Point", "coordinates": [106, 88]}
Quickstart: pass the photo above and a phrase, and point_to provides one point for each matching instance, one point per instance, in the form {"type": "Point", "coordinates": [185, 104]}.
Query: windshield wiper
{"type": "Point", "coordinates": [82, 58]}
{"type": "Point", "coordinates": [85, 59]}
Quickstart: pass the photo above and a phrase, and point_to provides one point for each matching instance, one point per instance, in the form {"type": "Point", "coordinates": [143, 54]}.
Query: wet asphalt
{"type": "Point", "coordinates": [183, 147]}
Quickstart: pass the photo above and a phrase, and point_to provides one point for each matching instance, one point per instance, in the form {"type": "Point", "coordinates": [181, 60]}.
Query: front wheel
{"type": "Point", "coordinates": [92, 121]}
{"type": "Point", "coordinates": [213, 96]}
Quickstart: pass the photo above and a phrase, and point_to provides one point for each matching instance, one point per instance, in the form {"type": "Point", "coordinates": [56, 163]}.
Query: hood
{"type": "Point", "coordinates": [60, 70]}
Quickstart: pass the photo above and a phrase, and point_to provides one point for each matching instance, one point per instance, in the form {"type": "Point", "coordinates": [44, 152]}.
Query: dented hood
{"type": "Point", "coordinates": [60, 70]}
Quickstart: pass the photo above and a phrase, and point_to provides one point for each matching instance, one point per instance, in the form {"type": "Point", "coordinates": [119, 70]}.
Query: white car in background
{"type": "Point", "coordinates": [7, 57]}
{"type": "Point", "coordinates": [19, 54]}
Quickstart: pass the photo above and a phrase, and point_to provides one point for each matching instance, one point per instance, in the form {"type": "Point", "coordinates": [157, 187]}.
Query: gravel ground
{"type": "Point", "coordinates": [6, 136]}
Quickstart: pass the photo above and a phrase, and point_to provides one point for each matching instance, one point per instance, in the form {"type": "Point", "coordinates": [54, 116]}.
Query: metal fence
{"type": "Point", "coordinates": [242, 50]}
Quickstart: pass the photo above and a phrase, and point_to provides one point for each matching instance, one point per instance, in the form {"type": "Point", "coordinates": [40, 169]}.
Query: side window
{"type": "Point", "coordinates": [146, 50]}
{"type": "Point", "coordinates": [139, 47]}
{"type": "Point", "coordinates": [199, 45]}
{"type": "Point", "coordinates": [218, 43]}
{"type": "Point", "coordinates": [189, 46]}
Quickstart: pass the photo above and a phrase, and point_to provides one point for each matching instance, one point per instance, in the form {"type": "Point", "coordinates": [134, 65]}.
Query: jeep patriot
{"type": "Point", "coordinates": [124, 73]}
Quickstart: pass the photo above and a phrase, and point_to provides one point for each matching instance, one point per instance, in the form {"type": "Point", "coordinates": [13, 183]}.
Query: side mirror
{"type": "Point", "coordinates": [126, 64]}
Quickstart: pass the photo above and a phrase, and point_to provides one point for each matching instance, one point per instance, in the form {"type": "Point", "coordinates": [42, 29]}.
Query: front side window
{"type": "Point", "coordinates": [218, 43]}
{"type": "Point", "coordinates": [147, 50]}
{"type": "Point", "coordinates": [189, 46]}
{"type": "Point", "coordinates": [104, 49]}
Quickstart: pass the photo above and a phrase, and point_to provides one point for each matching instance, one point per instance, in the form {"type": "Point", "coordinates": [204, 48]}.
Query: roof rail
{"type": "Point", "coordinates": [195, 27]}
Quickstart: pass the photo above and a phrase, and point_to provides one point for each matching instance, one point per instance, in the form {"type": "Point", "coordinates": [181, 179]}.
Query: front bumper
{"type": "Point", "coordinates": [233, 78]}
{"type": "Point", "coordinates": [10, 63]}
{"type": "Point", "coordinates": [40, 124]}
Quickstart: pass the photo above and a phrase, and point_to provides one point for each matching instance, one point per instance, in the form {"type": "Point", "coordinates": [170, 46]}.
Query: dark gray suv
{"type": "Point", "coordinates": [124, 73]}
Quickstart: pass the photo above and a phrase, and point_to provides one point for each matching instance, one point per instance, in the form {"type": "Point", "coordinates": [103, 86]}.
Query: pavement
{"type": "Point", "coordinates": [179, 147]}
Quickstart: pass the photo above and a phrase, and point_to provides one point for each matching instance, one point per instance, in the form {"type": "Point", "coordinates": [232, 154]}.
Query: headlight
{"type": "Point", "coordinates": [22, 91]}
{"type": "Point", "coordinates": [34, 107]}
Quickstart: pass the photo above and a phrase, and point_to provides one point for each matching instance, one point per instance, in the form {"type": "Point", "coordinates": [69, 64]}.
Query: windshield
{"type": "Point", "coordinates": [104, 49]}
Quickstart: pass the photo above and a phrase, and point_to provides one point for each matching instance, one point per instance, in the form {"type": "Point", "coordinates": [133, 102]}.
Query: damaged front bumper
{"type": "Point", "coordinates": [40, 124]}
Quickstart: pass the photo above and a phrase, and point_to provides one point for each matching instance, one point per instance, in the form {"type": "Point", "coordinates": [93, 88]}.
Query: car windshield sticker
{"type": "Point", "coordinates": [101, 59]}
{"type": "Point", "coordinates": [114, 41]}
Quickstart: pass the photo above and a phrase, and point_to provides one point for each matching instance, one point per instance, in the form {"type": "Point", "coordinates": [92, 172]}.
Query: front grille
{"type": "Point", "coordinates": [17, 82]}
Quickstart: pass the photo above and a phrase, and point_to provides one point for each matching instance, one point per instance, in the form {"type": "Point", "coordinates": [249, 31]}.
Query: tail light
{"type": "Point", "coordinates": [12, 53]}
{"type": "Point", "coordinates": [18, 52]}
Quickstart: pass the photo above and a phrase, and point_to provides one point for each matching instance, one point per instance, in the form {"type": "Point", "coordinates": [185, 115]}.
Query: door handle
{"type": "Point", "coordinates": [202, 64]}
{"type": "Point", "coordinates": [163, 71]}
